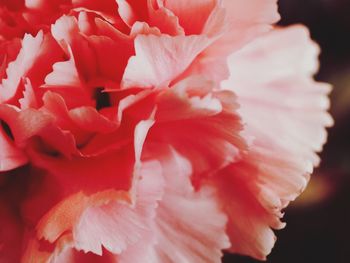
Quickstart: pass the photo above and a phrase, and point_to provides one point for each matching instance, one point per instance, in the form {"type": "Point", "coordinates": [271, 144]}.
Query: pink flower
{"type": "Point", "coordinates": [166, 131]}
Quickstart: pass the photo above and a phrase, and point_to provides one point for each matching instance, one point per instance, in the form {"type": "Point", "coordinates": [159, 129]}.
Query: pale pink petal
{"type": "Point", "coordinates": [285, 114]}
{"type": "Point", "coordinates": [39, 52]}
{"type": "Point", "coordinates": [292, 106]}
{"type": "Point", "coordinates": [246, 20]}
{"type": "Point", "coordinates": [189, 225]}
{"type": "Point", "coordinates": [166, 21]}
{"type": "Point", "coordinates": [193, 14]}
{"type": "Point", "coordinates": [29, 99]}
{"type": "Point", "coordinates": [249, 225]}
{"type": "Point", "coordinates": [35, 4]}
{"type": "Point", "coordinates": [116, 220]}
{"type": "Point", "coordinates": [64, 73]}
{"type": "Point", "coordinates": [117, 225]}
{"type": "Point", "coordinates": [126, 12]}
{"type": "Point", "coordinates": [29, 124]}
{"type": "Point", "coordinates": [189, 111]}
{"type": "Point", "coordinates": [67, 81]}
{"type": "Point", "coordinates": [67, 33]}
{"type": "Point", "coordinates": [160, 59]}
{"type": "Point", "coordinates": [89, 119]}
{"type": "Point", "coordinates": [233, 25]}
{"type": "Point", "coordinates": [142, 28]}
{"type": "Point", "coordinates": [82, 122]}
{"type": "Point", "coordinates": [65, 215]}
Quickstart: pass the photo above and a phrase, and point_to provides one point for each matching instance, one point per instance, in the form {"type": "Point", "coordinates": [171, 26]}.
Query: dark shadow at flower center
{"type": "Point", "coordinates": [6, 128]}
{"type": "Point", "coordinates": [102, 99]}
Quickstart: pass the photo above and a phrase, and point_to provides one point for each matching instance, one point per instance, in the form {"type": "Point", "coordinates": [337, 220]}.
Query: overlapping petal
{"type": "Point", "coordinates": [285, 114]}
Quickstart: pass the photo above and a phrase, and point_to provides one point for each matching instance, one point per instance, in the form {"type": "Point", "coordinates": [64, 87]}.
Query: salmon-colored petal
{"type": "Point", "coordinates": [166, 21]}
{"type": "Point", "coordinates": [64, 73]}
{"type": "Point", "coordinates": [113, 219]}
{"type": "Point", "coordinates": [65, 215]}
{"type": "Point", "coordinates": [67, 81]}
{"type": "Point", "coordinates": [32, 53]}
{"type": "Point", "coordinates": [81, 121]}
{"type": "Point", "coordinates": [233, 25]}
{"type": "Point", "coordinates": [160, 59]}
{"type": "Point", "coordinates": [32, 124]}
{"type": "Point", "coordinates": [133, 10]}
{"type": "Point", "coordinates": [29, 99]}
{"type": "Point", "coordinates": [246, 20]}
{"type": "Point", "coordinates": [288, 89]}
{"type": "Point", "coordinates": [250, 223]}
{"type": "Point", "coordinates": [67, 33]}
{"type": "Point", "coordinates": [184, 10]}
{"type": "Point", "coordinates": [285, 114]}
{"type": "Point", "coordinates": [142, 28]}
{"type": "Point", "coordinates": [126, 12]}
{"type": "Point", "coordinates": [92, 62]}
{"type": "Point", "coordinates": [28, 125]}
{"type": "Point", "coordinates": [189, 225]}
{"type": "Point", "coordinates": [187, 112]}
{"type": "Point", "coordinates": [119, 225]}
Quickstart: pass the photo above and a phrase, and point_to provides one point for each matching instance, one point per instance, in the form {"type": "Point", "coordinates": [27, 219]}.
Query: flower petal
{"type": "Point", "coordinates": [39, 51]}
{"type": "Point", "coordinates": [285, 114]}
{"type": "Point", "coordinates": [189, 225]}
{"type": "Point", "coordinates": [189, 111]}
{"type": "Point", "coordinates": [11, 156]}
{"type": "Point", "coordinates": [119, 225]}
{"type": "Point", "coordinates": [185, 10]}
{"type": "Point", "coordinates": [160, 59]}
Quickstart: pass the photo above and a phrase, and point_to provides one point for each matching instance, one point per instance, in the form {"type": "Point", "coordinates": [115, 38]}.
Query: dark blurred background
{"type": "Point", "coordinates": [318, 223]}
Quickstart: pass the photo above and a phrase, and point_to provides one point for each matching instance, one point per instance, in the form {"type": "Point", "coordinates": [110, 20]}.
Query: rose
{"type": "Point", "coordinates": [126, 145]}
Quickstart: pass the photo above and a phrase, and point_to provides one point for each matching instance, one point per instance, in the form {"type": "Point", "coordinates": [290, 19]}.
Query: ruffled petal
{"type": "Point", "coordinates": [233, 24]}
{"type": "Point", "coordinates": [103, 223]}
{"type": "Point", "coordinates": [38, 52]}
{"type": "Point", "coordinates": [191, 110]}
{"type": "Point", "coordinates": [285, 114]}
{"type": "Point", "coordinates": [160, 59]}
{"type": "Point", "coordinates": [185, 10]}
{"type": "Point", "coordinates": [119, 225]}
{"type": "Point", "coordinates": [166, 21]}
{"type": "Point", "coordinates": [189, 225]}
{"type": "Point", "coordinates": [29, 99]}
{"type": "Point", "coordinates": [248, 19]}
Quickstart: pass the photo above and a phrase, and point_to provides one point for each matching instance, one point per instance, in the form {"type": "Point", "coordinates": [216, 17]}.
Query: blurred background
{"type": "Point", "coordinates": [318, 223]}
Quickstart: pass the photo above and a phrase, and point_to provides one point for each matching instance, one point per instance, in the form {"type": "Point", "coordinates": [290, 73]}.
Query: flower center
{"type": "Point", "coordinates": [102, 99]}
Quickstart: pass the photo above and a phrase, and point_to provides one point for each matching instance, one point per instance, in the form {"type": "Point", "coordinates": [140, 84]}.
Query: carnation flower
{"type": "Point", "coordinates": [153, 131]}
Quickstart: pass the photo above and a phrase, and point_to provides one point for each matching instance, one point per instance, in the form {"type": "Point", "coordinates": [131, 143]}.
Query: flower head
{"type": "Point", "coordinates": [157, 129]}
